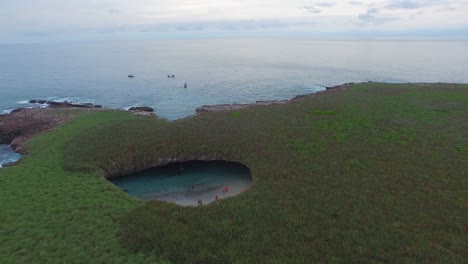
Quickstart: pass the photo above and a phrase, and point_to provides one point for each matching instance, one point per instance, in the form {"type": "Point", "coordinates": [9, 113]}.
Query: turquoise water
{"type": "Point", "coordinates": [7, 155]}
{"type": "Point", "coordinates": [186, 183]}
{"type": "Point", "coordinates": [216, 71]}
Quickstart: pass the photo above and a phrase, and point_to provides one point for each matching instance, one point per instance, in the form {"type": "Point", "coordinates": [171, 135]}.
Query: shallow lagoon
{"type": "Point", "coordinates": [7, 155]}
{"type": "Point", "coordinates": [186, 183]}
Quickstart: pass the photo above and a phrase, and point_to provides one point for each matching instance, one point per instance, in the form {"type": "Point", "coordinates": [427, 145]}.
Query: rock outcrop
{"type": "Point", "coordinates": [141, 109]}
{"type": "Point", "coordinates": [230, 107]}
{"type": "Point", "coordinates": [22, 124]}
{"type": "Point", "coordinates": [64, 104]}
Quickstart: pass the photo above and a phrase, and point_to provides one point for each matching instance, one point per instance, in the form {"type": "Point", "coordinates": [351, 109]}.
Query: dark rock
{"type": "Point", "coordinates": [64, 104]}
{"type": "Point", "coordinates": [6, 136]}
{"type": "Point", "coordinates": [17, 110]}
{"type": "Point", "coordinates": [339, 86]}
{"type": "Point", "coordinates": [36, 101]}
{"type": "Point", "coordinates": [301, 96]}
{"type": "Point", "coordinates": [141, 109]}
{"type": "Point", "coordinates": [58, 104]}
{"type": "Point", "coordinates": [270, 102]}
{"type": "Point", "coordinates": [9, 164]}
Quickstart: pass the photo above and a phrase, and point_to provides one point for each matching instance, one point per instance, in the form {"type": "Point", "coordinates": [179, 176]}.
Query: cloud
{"type": "Point", "coordinates": [416, 4]}
{"type": "Point", "coordinates": [374, 16]}
{"type": "Point", "coordinates": [220, 25]}
{"type": "Point", "coordinates": [75, 19]}
{"type": "Point", "coordinates": [315, 8]}
{"type": "Point", "coordinates": [405, 4]}
{"type": "Point", "coordinates": [114, 11]}
{"type": "Point", "coordinates": [355, 3]}
{"type": "Point", "coordinates": [312, 9]}
{"type": "Point", "coordinates": [326, 4]}
{"type": "Point", "coordinates": [447, 8]}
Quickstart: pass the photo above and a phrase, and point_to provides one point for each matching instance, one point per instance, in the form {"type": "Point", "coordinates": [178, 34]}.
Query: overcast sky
{"type": "Point", "coordinates": [66, 20]}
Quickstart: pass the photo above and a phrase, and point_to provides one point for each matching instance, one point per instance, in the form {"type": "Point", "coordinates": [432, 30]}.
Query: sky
{"type": "Point", "coordinates": [23, 21]}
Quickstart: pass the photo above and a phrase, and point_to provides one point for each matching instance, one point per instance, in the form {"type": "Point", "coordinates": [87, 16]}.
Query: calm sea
{"type": "Point", "coordinates": [216, 71]}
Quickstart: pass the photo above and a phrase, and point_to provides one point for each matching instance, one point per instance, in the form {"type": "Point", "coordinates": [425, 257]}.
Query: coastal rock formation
{"type": "Point", "coordinates": [230, 107]}
{"type": "Point", "coordinates": [22, 124]}
{"type": "Point", "coordinates": [339, 86]}
{"type": "Point", "coordinates": [141, 109]}
{"type": "Point", "coordinates": [64, 104]}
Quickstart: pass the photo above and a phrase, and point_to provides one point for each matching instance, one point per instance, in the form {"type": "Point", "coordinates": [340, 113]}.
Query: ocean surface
{"type": "Point", "coordinates": [216, 71]}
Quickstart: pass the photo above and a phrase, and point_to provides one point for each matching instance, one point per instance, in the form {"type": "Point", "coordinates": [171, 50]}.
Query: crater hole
{"type": "Point", "coordinates": [189, 183]}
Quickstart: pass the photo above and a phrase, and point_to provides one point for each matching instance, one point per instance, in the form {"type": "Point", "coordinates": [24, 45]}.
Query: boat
{"type": "Point", "coordinates": [131, 76]}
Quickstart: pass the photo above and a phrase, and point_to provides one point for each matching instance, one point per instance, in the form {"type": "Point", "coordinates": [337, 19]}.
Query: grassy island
{"type": "Point", "coordinates": [375, 173]}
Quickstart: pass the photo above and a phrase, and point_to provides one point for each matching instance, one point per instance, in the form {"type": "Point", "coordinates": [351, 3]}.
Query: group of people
{"type": "Point", "coordinates": [223, 190]}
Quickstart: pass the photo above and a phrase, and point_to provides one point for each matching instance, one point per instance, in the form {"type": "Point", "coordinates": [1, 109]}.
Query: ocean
{"type": "Point", "coordinates": [216, 71]}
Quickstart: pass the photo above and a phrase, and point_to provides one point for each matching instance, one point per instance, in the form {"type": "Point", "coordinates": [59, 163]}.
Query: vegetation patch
{"type": "Point", "coordinates": [378, 182]}
{"type": "Point", "coordinates": [324, 112]}
{"type": "Point", "coordinates": [236, 114]}
{"type": "Point", "coordinates": [462, 149]}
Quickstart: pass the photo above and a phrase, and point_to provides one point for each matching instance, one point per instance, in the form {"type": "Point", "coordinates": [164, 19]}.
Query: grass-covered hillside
{"type": "Point", "coordinates": [377, 173]}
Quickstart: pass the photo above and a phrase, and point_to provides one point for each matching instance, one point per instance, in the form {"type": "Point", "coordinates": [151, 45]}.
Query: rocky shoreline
{"type": "Point", "coordinates": [22, 124]}
{"type": "Point", "coordinates": [64, 104]}
{"type": "Point", "coordinates": [230, 107]}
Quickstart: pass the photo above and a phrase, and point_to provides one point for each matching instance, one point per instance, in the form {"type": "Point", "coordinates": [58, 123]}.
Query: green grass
{"type": "Point", "coordinates": [375, 173]}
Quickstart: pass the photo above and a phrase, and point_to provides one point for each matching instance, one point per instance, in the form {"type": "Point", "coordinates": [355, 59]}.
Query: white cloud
{"type": "Point", "coordinates": [312, 9]}
{"type": "Point", "coordinates": [374, 16]}
{"type": "Point", "coordinates": [114, 11]}
{"type": "Point", "coordinates": [51, 17]}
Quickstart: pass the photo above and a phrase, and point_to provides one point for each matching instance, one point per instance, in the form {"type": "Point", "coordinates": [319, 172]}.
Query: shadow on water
{"type": "Point", "coordinates": [188, 183]}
